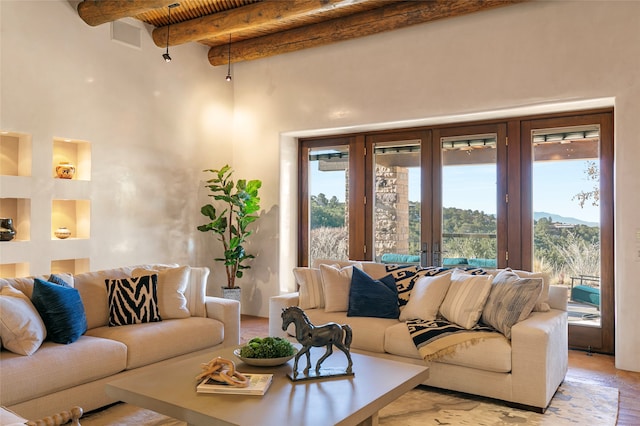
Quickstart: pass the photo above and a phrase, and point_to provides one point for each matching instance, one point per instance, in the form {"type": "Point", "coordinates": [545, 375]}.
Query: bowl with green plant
{"type": "Point", "coordinates": [266, 351]}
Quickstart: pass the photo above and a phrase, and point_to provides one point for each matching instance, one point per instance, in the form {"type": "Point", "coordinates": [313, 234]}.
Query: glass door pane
{"type": "Point", "coordinates": [469, 202]}
{"type": "Point", "coordinates": [397, 196]}
{"type": "Point", "coordinates": [566, 215]}
{"type": "Point", "coordinates": [328, 209]}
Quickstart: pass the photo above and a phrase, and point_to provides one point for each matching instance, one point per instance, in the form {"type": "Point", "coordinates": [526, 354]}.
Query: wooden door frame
{"type": "Point", "coordinates": [500, 130]}
{"type": "Point", "coordinates": [416, 134]}
{"type": "Point", "coordinates": [597, 339]}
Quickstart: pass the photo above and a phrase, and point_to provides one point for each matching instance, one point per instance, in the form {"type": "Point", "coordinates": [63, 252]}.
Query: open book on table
{"type": "Point", "coordinates": [258, 385]}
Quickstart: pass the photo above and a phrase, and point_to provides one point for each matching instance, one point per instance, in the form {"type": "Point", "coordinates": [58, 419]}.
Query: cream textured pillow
{"type": "Point", "coordinates": [336, 283]}
{"type": "Point", "coordinates": [21, 329]}
{"type": "Point", "coordinates": [310, 291]}
{"type": "Point", "coordinates": [172, 283]}
{"type": "Point", "coordinates": [510, 301]}
{"type": "Point", "coordinates": [466, 297]}
{"type": "Point", "coordinates": [426, 297]}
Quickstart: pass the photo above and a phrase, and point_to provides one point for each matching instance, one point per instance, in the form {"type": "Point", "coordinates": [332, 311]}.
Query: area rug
{"type": "Point", "coordinates": [575, 403]}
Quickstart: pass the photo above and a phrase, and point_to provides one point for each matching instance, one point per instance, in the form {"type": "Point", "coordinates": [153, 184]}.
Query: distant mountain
{"type": "Point", "coordinates": [563, 219]}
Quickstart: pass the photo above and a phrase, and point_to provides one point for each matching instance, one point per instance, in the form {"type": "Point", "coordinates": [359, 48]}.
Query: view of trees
{"type": "Point", "coordinates": [561, 250]}
{"type": "Point", "coordinates": [566, 251]}
{"type": "Point", "coordinates": [329, 237]}
{"type": "Point", "coordinates": [326, 212]}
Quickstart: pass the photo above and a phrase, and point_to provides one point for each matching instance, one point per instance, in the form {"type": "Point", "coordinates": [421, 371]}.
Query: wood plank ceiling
{"type": "Point", "coordinates": [259, 29]}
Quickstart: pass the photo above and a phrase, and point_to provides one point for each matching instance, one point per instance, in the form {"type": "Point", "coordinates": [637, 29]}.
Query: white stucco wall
{"type": "Point", "coordinates": [527, 58]}
{"type": "Point", "coordinates": [154, 126]}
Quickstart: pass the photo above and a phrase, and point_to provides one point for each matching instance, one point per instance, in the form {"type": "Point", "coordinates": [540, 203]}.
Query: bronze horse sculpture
{"type": "Point", "coordinates": [308, 335]}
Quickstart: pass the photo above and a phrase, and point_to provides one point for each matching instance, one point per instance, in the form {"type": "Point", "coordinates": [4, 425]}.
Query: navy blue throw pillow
{"type": "Point", "coordinates": [61, 310]}
{"type": "Point", "coordinates": [373, 298]}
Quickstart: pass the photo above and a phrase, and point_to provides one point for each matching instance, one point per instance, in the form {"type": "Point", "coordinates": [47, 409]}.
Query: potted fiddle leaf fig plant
{"type": "Point", "coordinates": [237, 206]}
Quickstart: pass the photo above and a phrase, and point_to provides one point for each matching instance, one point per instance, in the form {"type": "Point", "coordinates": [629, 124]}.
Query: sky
{"type": "Point", "coordinates": [467, 187]}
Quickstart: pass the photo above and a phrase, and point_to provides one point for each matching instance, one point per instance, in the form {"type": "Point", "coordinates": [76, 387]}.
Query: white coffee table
{"type": "Point", "coordinates": [356, 400]}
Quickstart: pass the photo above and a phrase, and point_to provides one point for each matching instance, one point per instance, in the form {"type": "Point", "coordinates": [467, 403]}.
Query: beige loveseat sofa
{"type": "Point", "coordinates": [57, 376]}
{"type": "Point", "coordinates": [524, 370]}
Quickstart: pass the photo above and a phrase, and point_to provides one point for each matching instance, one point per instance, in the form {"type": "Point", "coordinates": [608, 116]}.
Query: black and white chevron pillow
{"type": "Point", "coordinates": [133, 300]}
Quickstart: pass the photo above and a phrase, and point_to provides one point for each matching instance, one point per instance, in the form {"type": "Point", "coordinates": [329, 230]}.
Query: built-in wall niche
{"type": "Point", "coordinates": [15, 154]}
{"type": "Point", "coordinates": [76, 152]}
{"type": "Point", "coordinates": [14, 269]}
{"type": "Point", "coordinates": [19, 210]}
{"type": "Point", "coordinates": [75, 215]}
{"type": "Point", "coordinates": [71, 266]}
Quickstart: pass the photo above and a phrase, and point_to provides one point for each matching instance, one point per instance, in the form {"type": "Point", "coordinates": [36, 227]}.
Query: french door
{"type": "Point", "coordinates": [567, 218]}
{"type": "Point", "coordinates": [533, 193]}
{"type": "Point", "coordinates": [435, 196]}
{"type": "Point", "coordinates": [468, 199]}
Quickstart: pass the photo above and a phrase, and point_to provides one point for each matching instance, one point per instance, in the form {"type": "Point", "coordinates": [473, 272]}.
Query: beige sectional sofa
{"type": "Point", "coordinates": [57, 376]}
{"type": "Point", "coordinates": [525, 370]}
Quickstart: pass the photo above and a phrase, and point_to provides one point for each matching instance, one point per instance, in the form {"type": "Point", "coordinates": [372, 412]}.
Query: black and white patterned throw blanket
{"type": "Point", "coordinates": [437, 338]}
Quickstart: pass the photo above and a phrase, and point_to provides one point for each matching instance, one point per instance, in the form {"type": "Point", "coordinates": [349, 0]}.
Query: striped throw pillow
{"type": "Point", "coordinates": [466, 298]}
{"type": "Point", "coordinates": [310, 291]}
{"type": "Point", "coordinates": [510, 301]}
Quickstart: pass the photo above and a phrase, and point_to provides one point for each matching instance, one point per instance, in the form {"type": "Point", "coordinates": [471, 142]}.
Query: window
{"type": "Point", "coordinates": [496, 194]}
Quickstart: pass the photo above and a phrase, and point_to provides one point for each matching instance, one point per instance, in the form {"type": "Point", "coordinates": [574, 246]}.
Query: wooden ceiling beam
{"type": "Point", "coordinates": [251, 17]}
{"type": "Point", "coordinates": [390, 17]}
{"type": "Point", "coordinates": [96, 12]}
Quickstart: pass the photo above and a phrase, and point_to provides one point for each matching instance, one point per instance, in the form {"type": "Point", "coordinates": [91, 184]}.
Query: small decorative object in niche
{"type": "Point", "coordinates": [62, 233]}
{"type": "Point", "coordinates": [65, 170]}
{"type": "Point", "coordinates": [6, 229]}
{"type": "Point", "coordinates": [309, 335]}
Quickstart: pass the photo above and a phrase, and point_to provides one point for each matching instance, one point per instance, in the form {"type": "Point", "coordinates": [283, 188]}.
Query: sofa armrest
{"type": "Point", "coordinates": [539, 356]}
{"type": "Point", "coordinates": [558, 297]}
{"type": "Point", "coordinates": [276, 305]}
{"type": "Point", "coordinates": [226, 311]}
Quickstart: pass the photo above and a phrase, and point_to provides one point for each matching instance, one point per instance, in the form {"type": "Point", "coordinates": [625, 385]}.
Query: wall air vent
{"type": "Point", "coordinates": [125, 33]}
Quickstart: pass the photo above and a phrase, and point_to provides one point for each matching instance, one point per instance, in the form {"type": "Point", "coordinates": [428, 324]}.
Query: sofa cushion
{"type": "Point", "coordinates": [426, 297]}
{"type": "Point", "coordinates": [61, 310]}
{"type": "Point", "coordinates": [542, 304]}
{"type": "Point", "coordinates": [397, 341]}
{"type": "Point", "coordinates": [372, 298]}
{"type": "Point", "coordinates": [133, 300]}
{"type": "Point", "coordinates": [172, 284]}
{"type": "Point", "coordinates": [490, 354]}
{"type": "Point", "coordinates": [21, 328]}
{"type": "Point", "coordinates": [309, 283]}
{"type": "Point", "coordinates": [93, 291]}
{"type": "Point", "coordinates": [368, 333]}
{"type": "Point", "coordinates": [156, 341]}
{"type": "Point", "coordinates": [406, 277]}
{"type": "Point", "coordinates": [465, 298]}
{"type": "Point", "coordinates": [55, 367]}
{"type": "Point", "coordinates": [65, 280]}
{"type": "Point", "coordinates": [25, 284]}
{"type": "Point", "coordinates": [374, 270]}
{"type": "Point", "coordinates": [336, 282]}
{"type": "Point", "coordinates": [511, 300]}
